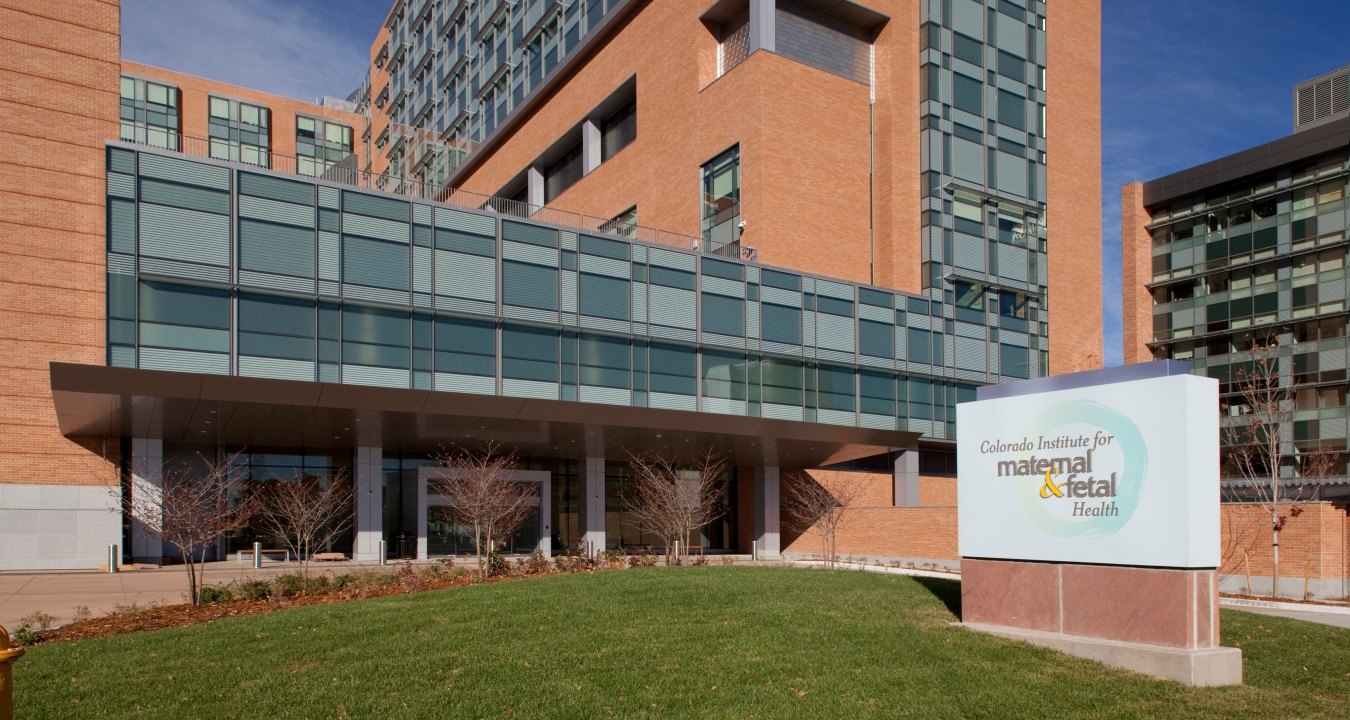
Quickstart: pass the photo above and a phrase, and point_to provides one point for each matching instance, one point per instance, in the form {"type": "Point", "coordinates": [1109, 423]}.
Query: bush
{"type": "Point", "coordinates": [288, 586]}
{"type": "Point", "coordinates": [38, 619]}
{"type": "Point", "coordinates": [436, 573]}
{"type": "Point", "coordinates": [214, 594]}
{"type": "Point", "coordinates": [536, 564]}
{"type": "Point", "coordinates": [728, 560]}
{"type": "Point", "coordinates": [25, 635]}
{"type": "Point", "coordinates": [407, 576]}
{"type": "Point", "coordinates": [82, 612]}
{"type": "Point", "coordinates": [346, 581]}
{"type": "Point", "coordinates": [253, 590]}
{"type": "Point", "coordinates": [700, 560]}
{"type": "Point", "coordinates": [497, 565]}
{"type": "Point", "coordinates": [641, 558]}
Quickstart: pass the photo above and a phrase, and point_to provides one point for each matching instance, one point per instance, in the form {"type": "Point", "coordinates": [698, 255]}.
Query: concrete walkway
{"type": "Point", "coordinates": [59, 593]}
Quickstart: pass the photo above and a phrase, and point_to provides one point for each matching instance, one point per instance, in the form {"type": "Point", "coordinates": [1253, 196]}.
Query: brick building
{"type": "Point", "coordinates": [797, 232]}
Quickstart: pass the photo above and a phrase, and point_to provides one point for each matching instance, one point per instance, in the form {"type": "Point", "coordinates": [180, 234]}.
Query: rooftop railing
{"type": "Point", "coordinates": [344, 174]}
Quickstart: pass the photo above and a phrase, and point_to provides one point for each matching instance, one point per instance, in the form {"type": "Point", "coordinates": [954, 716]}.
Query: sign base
{"type": "Point", "coordinates": [1157, 621]}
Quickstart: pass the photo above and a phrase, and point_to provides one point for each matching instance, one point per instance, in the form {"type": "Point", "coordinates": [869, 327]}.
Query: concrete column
{"type": "Point", "coordinates": [593, 505]}
{"type": "Point", "coordinates": [767, 493]}
{"type": "Point", "coordinates": [906, 478]}
{"type": "Point", "coordinates": [369, 503]}
{"type": "Point", "coordinates": [763, 24]}
{"type": "Point", "coordinates": [546, 515]}
{"type": "Point", "coordinates": [147, 488]}
{"type": "Point", "coordinates": [592, 150]}
{"type": "Point", "coordinates": [422, 543]}
{"type": "Point", "coordinates": [534, 187]}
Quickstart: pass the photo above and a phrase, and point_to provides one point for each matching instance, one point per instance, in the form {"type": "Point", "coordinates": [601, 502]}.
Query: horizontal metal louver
{"type": "Point", "coordinates": [276, 368]}
{"type": "Point", "coordinates": [277, 211]}
{"type": "Point", "coordinates": [182, 171]}
{"type": "Point", "coordinates": [454, 382]}
{"type": "Point", "coordinates": [374, 206]}
{"type": "Point", "coordinates": [187, 235]}
{"type": "Point", "coordinates": [186, 197]}
{"type": "Point", "coordinates": [672, 307]}
{"type": "Point", "coordinates": [377, 228]}
{"type": "Point", "coordinates": [272, 248]}
{"type": "Point", "coordinates": [374, 263]}
{"type": "Point", "coordinates": [275, 188]}
{"type": "Point", "coordinates": [383, 377]}
{"type": "Point", "coordinates": [467, 222]}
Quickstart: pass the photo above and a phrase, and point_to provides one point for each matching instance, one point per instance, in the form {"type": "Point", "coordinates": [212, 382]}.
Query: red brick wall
{"type": "Point", "coordinates": [59, 68]}
{"type": "Point", "coordinates": [874, 527]}
{"type": "Point", "coordinates": [1136, 264]}
{"type": "Point", "coordinates": [1074, 184]}
{"type": "Point", "coordinates": [1312, 545]}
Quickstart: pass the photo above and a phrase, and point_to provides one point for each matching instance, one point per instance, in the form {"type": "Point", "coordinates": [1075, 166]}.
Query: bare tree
{"type": "Point", "coordinates": [673, 501]}
{"type": "Point", "coordinates": [308, 512]}
{"type": "Point", "coordinates": [813, 507]}
{"type": "Point", "coordinates": [480, 490]}
{"type": "Point", "coordinates": [193, 508]}
{"type": "Point", "coordinates": [1256, 449]}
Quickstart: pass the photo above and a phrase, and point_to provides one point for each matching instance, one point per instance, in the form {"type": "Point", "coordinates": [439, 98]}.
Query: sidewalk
{"type": "Point", "coordinates": [60, 593]}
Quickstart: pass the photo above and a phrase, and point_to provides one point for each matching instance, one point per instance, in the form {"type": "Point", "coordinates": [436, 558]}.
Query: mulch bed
{"type": "Point", "coordinates": [167, 616]}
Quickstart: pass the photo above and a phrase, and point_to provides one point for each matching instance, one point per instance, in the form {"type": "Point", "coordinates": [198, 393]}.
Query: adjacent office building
{"type": "Point", "coordinates": [1246, 250]}
{"type": "Point", "coordinates": [796, 232]}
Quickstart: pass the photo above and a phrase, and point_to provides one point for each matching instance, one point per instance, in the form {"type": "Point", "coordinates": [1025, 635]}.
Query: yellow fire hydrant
{"type": "Point", "coordinates": [8, 656]}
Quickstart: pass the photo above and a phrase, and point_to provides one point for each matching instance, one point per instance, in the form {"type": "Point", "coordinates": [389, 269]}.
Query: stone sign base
{"type": "Point", "coordinates": [1156, 621]}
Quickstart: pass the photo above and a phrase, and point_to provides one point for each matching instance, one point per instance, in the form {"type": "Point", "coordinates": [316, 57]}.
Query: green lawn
{"type": "Point", "coordinates": [655, 643]}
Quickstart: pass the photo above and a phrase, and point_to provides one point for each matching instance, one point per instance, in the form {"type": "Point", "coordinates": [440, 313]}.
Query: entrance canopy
{"type": "Point", "coordinates": [177, 407]}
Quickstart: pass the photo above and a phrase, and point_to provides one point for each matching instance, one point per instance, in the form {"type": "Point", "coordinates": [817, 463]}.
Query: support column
{"type": "Point", "coordinates": [763, 24]}
{"type": "Point", "coordinates": [369, 503]}
{"type": "Point", "coordinates": [534, 187]}
{"type": "Point", "coordinates": [593, 505]}
{"type": "Point", "coordinates": [591, 147]}
{"type": "Point", "coordinates": [546, 515]}
{"type": "Point", "coordinates": [767, 494]}
{"type": "Point", "coordinates": [906, 478]}
{"type": "Point", "coordinates": [147, 488]}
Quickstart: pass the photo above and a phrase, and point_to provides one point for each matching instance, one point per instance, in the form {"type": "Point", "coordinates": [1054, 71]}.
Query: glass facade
{"type": "Point", "coordinates": [1262, 261]}
{"type": "Point", "coordinates": [982, 93]}
{"type": "Point", "coordinates": [459, 70]}
{"type": "Point", "coordinates": [225, 270]}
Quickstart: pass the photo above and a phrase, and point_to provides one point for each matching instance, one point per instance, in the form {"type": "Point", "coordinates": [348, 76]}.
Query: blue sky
{"type": "Point", "coordinates": [1183, 81]}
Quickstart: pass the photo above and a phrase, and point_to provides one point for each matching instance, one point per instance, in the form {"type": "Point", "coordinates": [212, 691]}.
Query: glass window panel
{"type": "Point", "coordinates": [877, 391]}
{"type": "Point", "coordinates": [724, 375]}
{"type": "Point", "coordinates": [603, 296]}
{"type": "Point", "coordinates": [724, 315]}
{"type": "Point", "coordinates": [1012, 110]}
{"type": "Point", "coordinates": [220, 108]}
{"type": "Point", "coordinates": [673, 369]}
{"type": "Point", "coordinates": [836, 388]}
{"type": "Point", "coordinates": [782, 381]}
{"type": "Point", "coordinates": [967, 94]}
{"type": "Point", "coordinates": [184, 305]}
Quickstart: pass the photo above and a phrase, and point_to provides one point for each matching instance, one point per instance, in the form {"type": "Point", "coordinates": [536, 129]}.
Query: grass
{"type": "Point", "coordinates": [655, 643]}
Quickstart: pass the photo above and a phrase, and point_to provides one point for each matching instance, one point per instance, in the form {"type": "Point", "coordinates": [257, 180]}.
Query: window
{"type": "Point", "coordinates": [782, 382]}
{"type": "Point", "coordinates": [604, 361]}
{"type": "Point", "coordinates": [149, 113]}
{"type": "Point", "coordinates": [673, 369]}
{"type": "Point", "coordinates": [320, 144]}
{"type": "Point", "coordinates": [239, 132]}
{"type": "Point", "coordinates": [968, 49]}
{"type": "Point", "coordinates": [1012, 110]}
{"type": "Point", "coordinates": [721, 199]}
{"type": "Point", "coordinates": [836, 388]}
{"type": "Point", "coordinates": [968, 212]}
{"type": "Point", "coordinates": [625, 224]}
{"type": "Point", "coordinates": [530, 353]}
{"type": "Point", "coordinates": [184, 317]}
{"type": "Point", "coordinates": [562, 173]}
{"type": "Point", "coordinates": [466, 347]}
{"type": "Point", "coordinates": [967, 94]}
{"type": "Point", "coordinates": [1012, 67]}
{"type": "Point", "coordinates": [969, 301]}
{"type": "Point", "coordinates": [723, 375]}
{"type": "Point", "coordinates": [375, 337]}
{"type": "Point", "coordinates": [276, 327]}
{"type": "Point", "coordinates": [618, 130]}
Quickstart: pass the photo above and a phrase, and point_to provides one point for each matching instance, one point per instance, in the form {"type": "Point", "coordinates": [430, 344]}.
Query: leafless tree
{"type": "Point", "coordinates": [480, 490]}
{"type": "Point", "coordinates": [673, 501]}
{"type": "Point", "coordinates": [193, 508]}
{"type": "Point", "coordinates": [1256, 449]}
{"type": "Point", "coordinates": [307, 512]}
{"type": "Point", "coordinates": [812, 507]}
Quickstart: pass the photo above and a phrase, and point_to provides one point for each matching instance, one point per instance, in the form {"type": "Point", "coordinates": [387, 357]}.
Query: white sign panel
{"type": "Point", "coordinates": [1125, 473]}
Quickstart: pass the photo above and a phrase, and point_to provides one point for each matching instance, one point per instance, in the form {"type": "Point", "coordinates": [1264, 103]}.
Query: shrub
{"type": "Point", "coordinates": [407, 576]}
{"type": "Point", "coordinates": [497, 565]}
{"type": "Point", "coordinates": [81, 613]}
{"type": "Point", "coordinates": [728, 559]}
{"type": "Point", "coordinates": [615, 558]}
{"type": "Point", "coordinates": [700, 560]}
{"type": "Point", "coordinates": [435, 573]}
{"type": "Point", "coordinates": [25, 635]}
{"type": "Point", "coordinates": [641, 558]}
{"type": "Point", "coordinates": [346, 581]}
{"type": "Point", "coordinates": [253, 590]}
{"type": "Point", "coordinates": [317, 584]}
{"type": "Point", "coordinates": [288, 586]}
{"type": "Point", "coordinates": [38, 619]}
{"type": "Point", "coordinates": [214, 594]}
{"type": "Point", "coordinates": [536, 564]}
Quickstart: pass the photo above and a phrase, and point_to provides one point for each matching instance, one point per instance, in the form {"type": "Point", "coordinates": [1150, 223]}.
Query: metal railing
{"type": "Point", "coordinates": [345, 174]}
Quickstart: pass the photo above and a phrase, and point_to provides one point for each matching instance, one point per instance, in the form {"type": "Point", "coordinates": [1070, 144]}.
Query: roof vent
{"type": "Point", "coordinates": [1322, 99]}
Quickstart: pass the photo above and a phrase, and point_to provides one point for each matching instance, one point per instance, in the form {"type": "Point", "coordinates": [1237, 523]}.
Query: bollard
{"type": "Point", "coordinates": [257, 556]}
{"type": "Point", "coordinates": [113, 558]}
{"type": "Point", "coordinates": [8, 656]}
{"type": "Point", "coordinates": [384, 559]}
{"type": "Point", "coordinates": [754, 550]}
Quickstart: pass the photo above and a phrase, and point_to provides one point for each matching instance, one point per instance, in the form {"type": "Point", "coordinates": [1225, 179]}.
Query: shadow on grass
{"type": "Point", "coordinates": [948, 591]}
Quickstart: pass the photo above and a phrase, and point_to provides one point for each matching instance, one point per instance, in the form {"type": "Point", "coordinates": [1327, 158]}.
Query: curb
{"type": "Point", "coordinates": [1274, 605]}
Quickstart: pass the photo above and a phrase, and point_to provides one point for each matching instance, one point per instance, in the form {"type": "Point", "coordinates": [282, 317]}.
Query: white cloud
{"type": "Point", "coordinates": [301, 50]}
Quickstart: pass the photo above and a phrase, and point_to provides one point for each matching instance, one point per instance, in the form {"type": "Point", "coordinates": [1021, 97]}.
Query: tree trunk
{"type": "Point", "coordinates": [192, 576]}
{"type": "Point", "coordinates": [1275, 562]}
